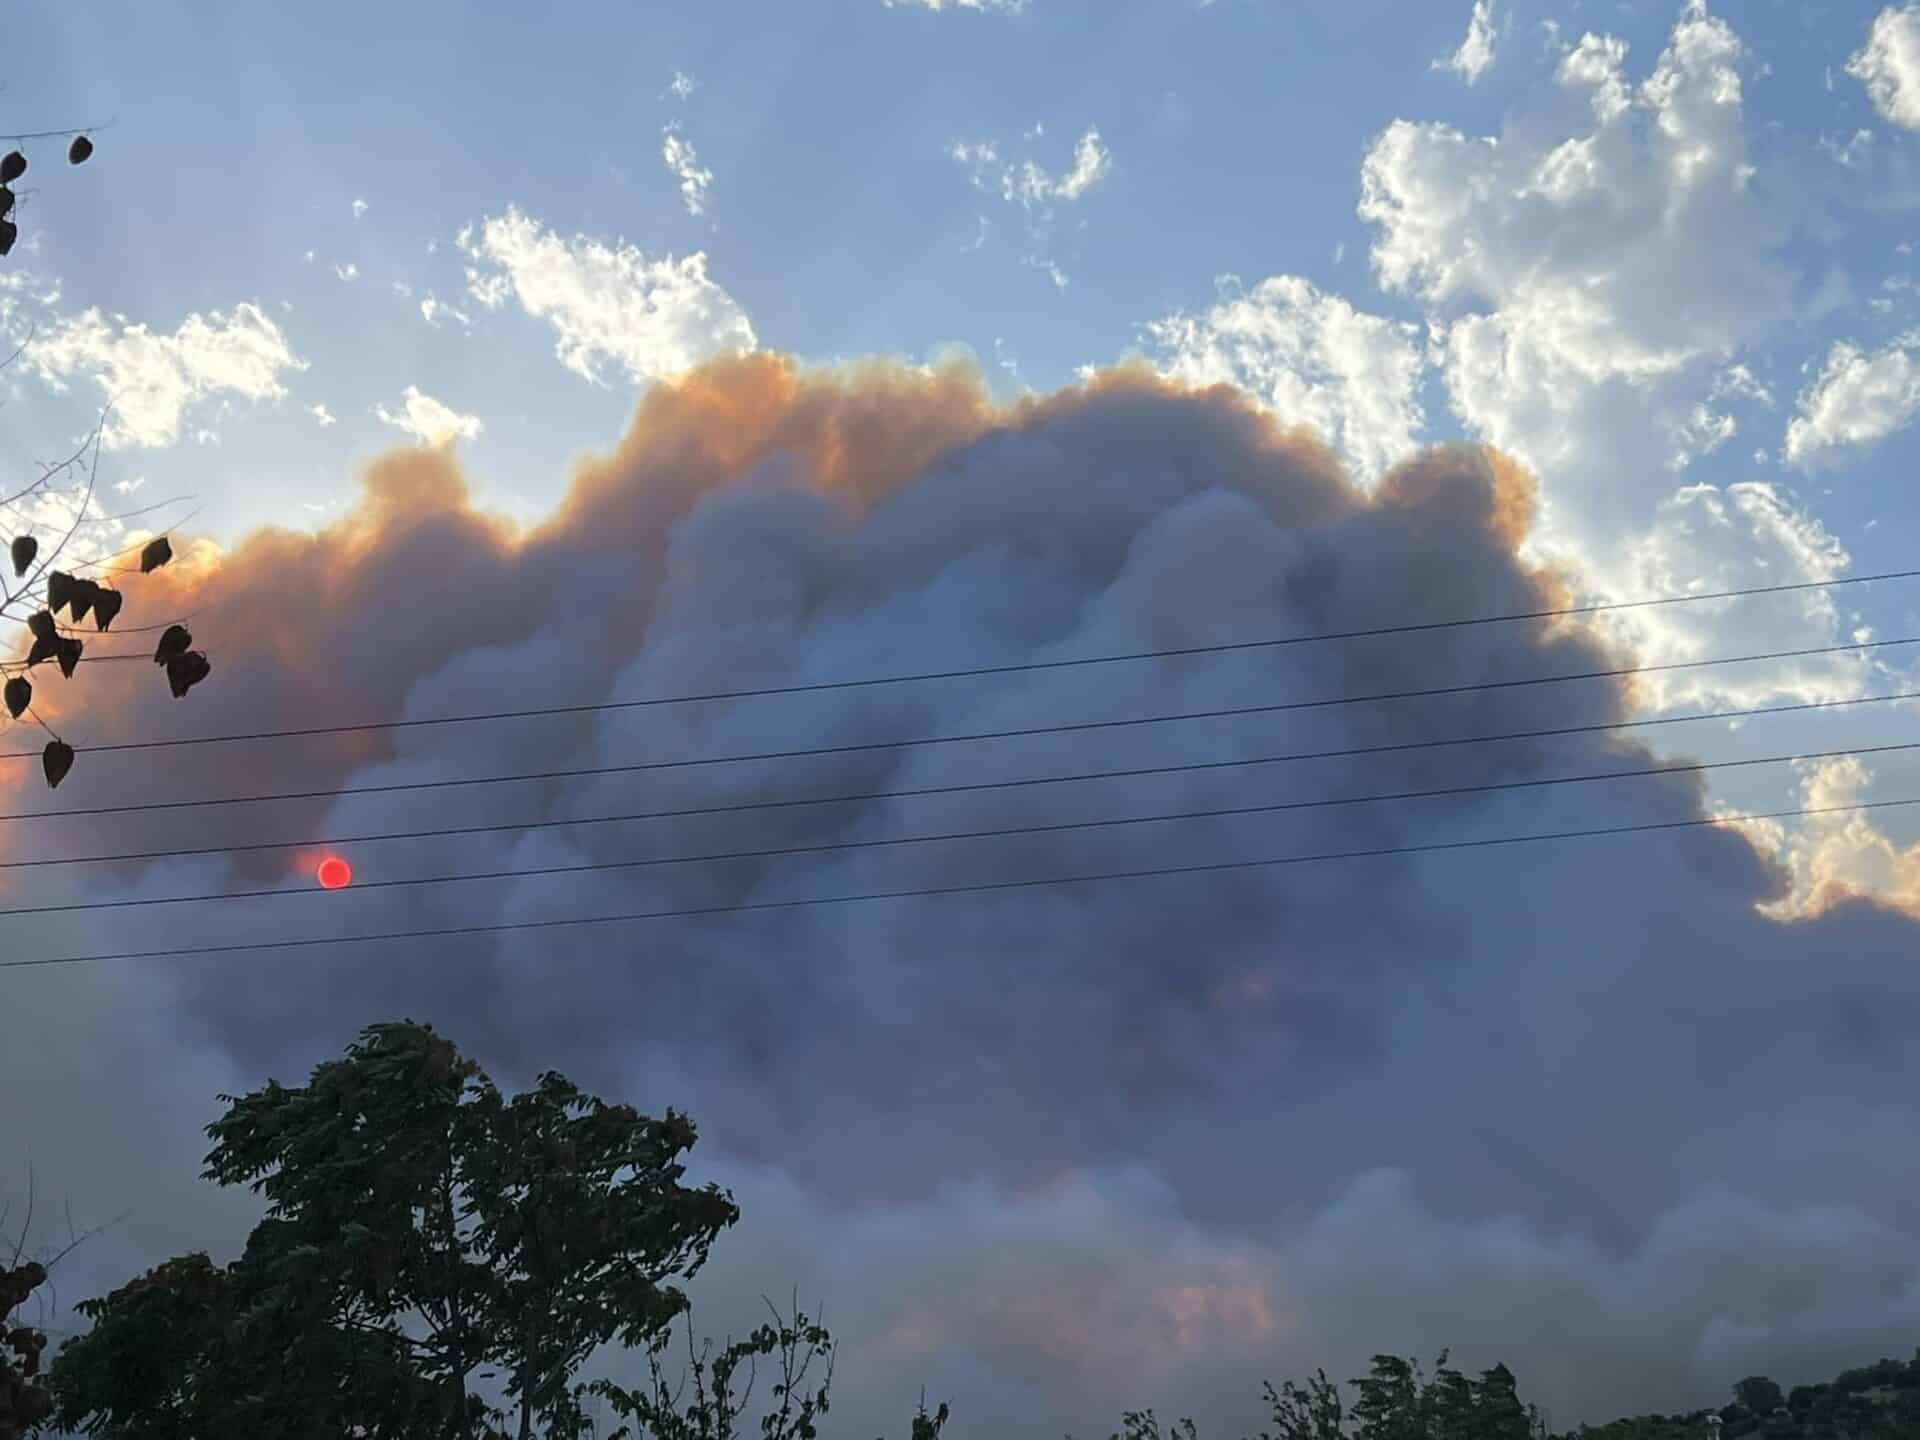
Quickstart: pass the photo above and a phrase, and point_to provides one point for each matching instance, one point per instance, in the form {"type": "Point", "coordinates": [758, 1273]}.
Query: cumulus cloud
{"type": "Point", "coordinates": [1598, 278]}
{"type": "Point", "coordinates": [1576, 1106]}
{"type": "Point", "coordinates": [155, 381]}
{"type": "Point", "coordinates": [678, 154]}
{"type": "Point", "coordinates": [1311, 358]}
{"type": "Point", "coordinates": [609, 304]}
{"type": "Point", "coordinates": [1889, 65]}
{"type": "Point", "coordinates": [322, 414]}
{"type": "Point", "coordinates": [1474, 57]}
{"type": "Point", "coordinates": [429, 421]}
{"type": "Point", "coordinates": [1856, 401]}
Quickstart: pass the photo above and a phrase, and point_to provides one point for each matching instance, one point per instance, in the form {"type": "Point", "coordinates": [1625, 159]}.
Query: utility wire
{"type": "Point", "coordinates": [979, 888]}
{"type": "Point", "coordinates": [1026, 667]}
{"type": "Point", "coordinates": [806, 752]}
{"type": "Point", "coordinates": [998, 833]}
{"type": "Point", "coordinates": [742, 807]}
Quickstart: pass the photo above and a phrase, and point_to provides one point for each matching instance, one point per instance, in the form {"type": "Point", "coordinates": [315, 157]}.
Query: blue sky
{"type": "Point", "coordinates": [1660, 254]}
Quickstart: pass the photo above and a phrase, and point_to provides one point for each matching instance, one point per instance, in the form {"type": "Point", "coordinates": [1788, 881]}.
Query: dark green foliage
{"type": "Point", "coordinates": [713, 1410]}
{"type": "Point", "coordinates": [402, 1187]}
{"type": "Point", "coordinates": [25, 1400]}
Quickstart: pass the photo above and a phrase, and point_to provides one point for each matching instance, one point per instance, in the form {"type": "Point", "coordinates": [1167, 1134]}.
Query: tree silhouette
{"type": "Point", "coordinates": [26, 1396]}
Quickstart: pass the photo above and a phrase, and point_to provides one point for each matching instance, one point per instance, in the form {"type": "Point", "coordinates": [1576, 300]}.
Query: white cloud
{"type": "Point", "coordinates": [428, 420]}
{"type": "Point", "coordinates": [682, 85]}
{"type": "Point", "coordinates": [432, 308]}
{"type": "Point", "coordinates": [1034, 189]}
{"type": "Point", "coordinates": [1475, 54]}
{"type": "Point", "coordinates": [1312, 359]}
{"type": "Point", "coordinates": [1029, 185]}
{"type": "Point", "coordinates": [153, 380]}
{"type": "Point", "coordinates": [680, 159]}
{"type": "Point", "coordinates": [1889, 65]}
{"type": "Point", "coordinates": [1594, 275]}
{"type": "Point", "coordinates": [1857, 401]}
{"type": "Point", "coordinates": [322, 414]}
{"type": "Point", "coordinates": [1706, 539]}
{"type": "Point", "coordinates": [349, 271]}
{"type": "Point", "coordinates": [608, 303]}
{"type": "Point", "coordinates": [359, 207]}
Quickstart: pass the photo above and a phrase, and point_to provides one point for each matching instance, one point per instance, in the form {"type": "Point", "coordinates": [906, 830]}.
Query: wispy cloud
{"type": "Point", "coordinates": [1856, 401]}
{"type": "Point", "coordinates": [428, 420]}
{"type": "Point", "coordinates": [155, 380]}
{"type": "Point", "coordinates": [1034, 189]}
{"type": "Point", "coordinates": [608, 303]}
{"type": "Point", "coordinates": [1475, 55]}
{"type": "Point", "coordinates": [678, 153]}
{"type": "Point", "coordinates": [1889, 65]}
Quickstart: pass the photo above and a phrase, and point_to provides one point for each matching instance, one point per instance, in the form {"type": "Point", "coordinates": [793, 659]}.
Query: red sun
{"type": "Point", "coordinates": [334, 873]}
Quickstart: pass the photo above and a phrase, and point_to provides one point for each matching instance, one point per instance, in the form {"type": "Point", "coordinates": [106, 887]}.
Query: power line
{"type": "Point", "coordinates": [813, 751]}
{"type": "Point", "coordinates": [1136, 772]}
{"type": "Point", "coordinates": [999, 833]}
{"type": "Point", "coordinates": [1025, 667]}
{"type": "Point", "coordinates": [982, 887]}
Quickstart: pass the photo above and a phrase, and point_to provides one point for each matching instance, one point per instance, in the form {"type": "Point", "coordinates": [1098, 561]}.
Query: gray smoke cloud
{"type": "Point", "coordinates": [1053, 1152]}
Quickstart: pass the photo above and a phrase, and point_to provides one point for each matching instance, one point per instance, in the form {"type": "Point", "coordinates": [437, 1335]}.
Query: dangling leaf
{"type": "Point", "coordinates": [68, 649]}
{"type": "Point", "coordinates": [174, 643]}
{"type": "Point", "coordinates": [60, 586]}
{"type": "Point", "coordinates": [106, 605]}
{"type": "Point", "coordinates": [41, 624]}
{"type": "Point", "coordinates": [12, 167]}
{"type": "Point", "coordinates": [78, 152]}
{"type": "Point", "coordinates": [186, 671]}
{"type": "Point", "coordinates": [81, 598]}
{"type": "Point", "coordinates": [6, 201]}
{"type": "Point", "coordinates": [44, 648]}
{"type": "Point", "coordinates": [25, 547]}
{"type": "Point", "coordinates": [19, 695]}
{"type": "Point", "coordinates": [9, 232]}
{"type": "Point", "coordinates": [157, 553]}
{"type": "Point", "coordinates": [56, 760]}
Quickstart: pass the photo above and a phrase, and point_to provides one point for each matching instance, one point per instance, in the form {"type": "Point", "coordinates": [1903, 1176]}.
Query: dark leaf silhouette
{"type": "Point", "coordinates": [80, 598]}
{"type": "Point", "coordinates": [25, 547]}
{"type": "Point", "coordinates": [41, 624]}
{"type": "Point", "coordinates": [12, 167]}
{"type": "Point", "coordinates": [19, 695]}
{"type": "Point", "coordinates": [174, 643]}
{"type": "Point", "coordinates": [79, 150]}
{"type": "Point", "coordinates": [68, 649]}
{"type": "Point", "coordinates": [56, 760]}
{"type": "Point", "coordinates": [9, 232]}
{"type": "Point", "coordinates": [106, 605]}
{"type": "Point", "coordinates": [157, 553]}
{"type": "Point", "coordinates": [6, 200]}
{"type": "Point", "coordinates": [43, 649]}
{"type": "Point", "coordinates": [60, 587]}
{"type": "Point", "coordinates": [186, 671]}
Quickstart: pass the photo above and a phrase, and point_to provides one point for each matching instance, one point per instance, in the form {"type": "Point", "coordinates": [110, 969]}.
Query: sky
{"type": "Point", "coordinates": [504, 360]}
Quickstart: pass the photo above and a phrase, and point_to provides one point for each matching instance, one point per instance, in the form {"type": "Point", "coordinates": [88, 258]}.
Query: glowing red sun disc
{"type": "Point", "coordinates": [334, 873]}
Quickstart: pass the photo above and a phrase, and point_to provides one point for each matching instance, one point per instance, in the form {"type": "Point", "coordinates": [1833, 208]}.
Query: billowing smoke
{"type": "Point", "coordinates": [1053, 1151]}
